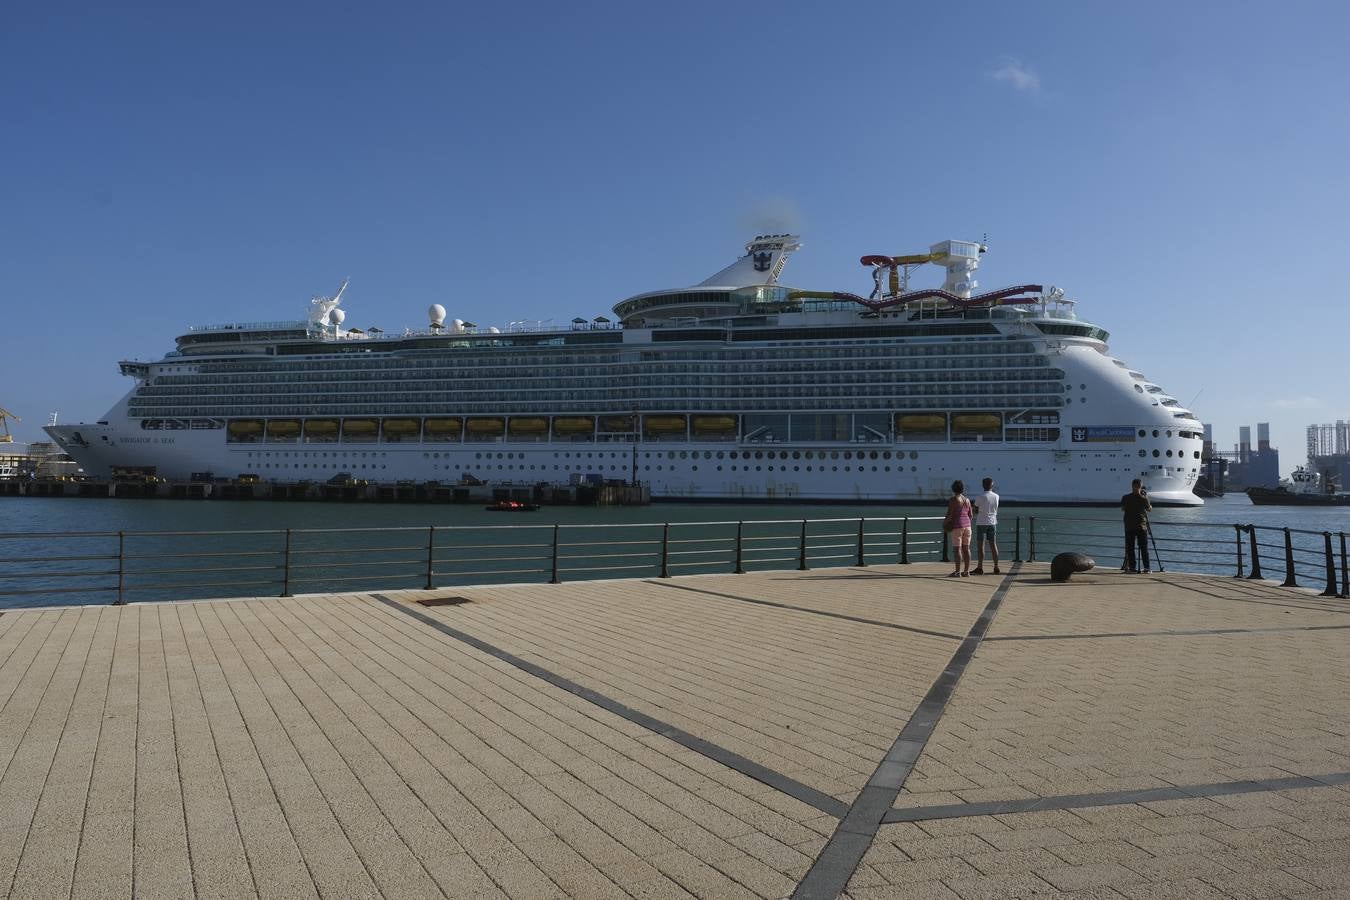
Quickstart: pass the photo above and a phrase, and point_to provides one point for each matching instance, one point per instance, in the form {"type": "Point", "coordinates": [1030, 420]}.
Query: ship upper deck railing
{"type": "Point", "coordinates": [289, 325]}
{"type": "Point", "coordinates": [1052, 310]}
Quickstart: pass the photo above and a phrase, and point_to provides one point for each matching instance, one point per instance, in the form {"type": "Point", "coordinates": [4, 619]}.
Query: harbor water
{"type": "Point", "coordinates": [163, 553]}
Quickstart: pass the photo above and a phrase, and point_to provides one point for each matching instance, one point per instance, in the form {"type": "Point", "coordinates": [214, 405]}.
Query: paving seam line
{"type": "Point", "coordinates": [1114, 798]}
{"type": "Point", "coordinates": [813, 797]}
{"type": "Point", "coordinates": [1205, 632]}
{"type": "Point", "coordinates": [830, 873]}
{"type": "Point", "coordinates": [814, 612]}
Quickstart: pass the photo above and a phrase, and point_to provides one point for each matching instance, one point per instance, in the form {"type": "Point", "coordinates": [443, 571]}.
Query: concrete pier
{"type": "Point", "coordinates": [877, 732]}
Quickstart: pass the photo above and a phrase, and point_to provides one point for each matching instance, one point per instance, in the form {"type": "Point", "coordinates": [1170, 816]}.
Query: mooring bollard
{"type": "Point", "coordinates": [286, 566]}
{"type": "Point", "coordinates": [1331, 567]}
{"type": "Point", "coordinates": [1289, 579]}
{"type": "Point", "coordinates": [1237, 537]}
{"type": "Point", "coordinates": [862, 558]}
{"type": "Point", "coordinates": [801, 556]}
{"type": "Point", "coordinates": [431, 555]}
{"type": "Point", "coordinates": [1256, 556]}
{"type": "Point", "coordinates": [904, 542]}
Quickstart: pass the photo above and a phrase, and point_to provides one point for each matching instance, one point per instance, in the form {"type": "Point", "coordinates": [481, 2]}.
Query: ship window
{"type": "Point", "coordinates": [1155, 453]}
{"type": "Point", "coordinates": [1155, 432]}
{"type": "Point", "coordinates": [1143, 433]}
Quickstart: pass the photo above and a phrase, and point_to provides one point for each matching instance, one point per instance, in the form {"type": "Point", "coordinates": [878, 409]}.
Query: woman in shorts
{"type": "Point", "coordinates": [958, 524]}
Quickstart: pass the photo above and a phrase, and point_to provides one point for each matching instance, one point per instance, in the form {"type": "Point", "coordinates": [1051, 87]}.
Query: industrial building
{"type": "Point", "coordinates": [1242, 467]}
{"type": "Point", "coordinates": [1329, 451]}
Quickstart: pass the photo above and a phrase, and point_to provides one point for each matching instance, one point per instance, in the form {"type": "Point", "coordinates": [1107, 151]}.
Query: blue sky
{"type": "Point", "coordinates": [1181, 169]}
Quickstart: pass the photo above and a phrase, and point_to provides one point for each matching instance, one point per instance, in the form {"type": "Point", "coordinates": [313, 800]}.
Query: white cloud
{"type": "Point", "coordinates": [1304, 402]}
{"type": "Point", "coordinates": [1018, 75]}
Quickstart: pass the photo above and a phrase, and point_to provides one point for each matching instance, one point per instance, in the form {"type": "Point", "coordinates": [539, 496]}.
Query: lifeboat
{"type": "Point", "coordinates": [663, 424]}
{"type": "Point", "coordinates": [714, 424]}
{"type": "Point", "coordinates": [245, 427]}
{"type": "Point", "coordinates": [616, 423]}
{"type": "Point", "coordinates": [360, 428]}
{"type": "Point", "coordinates": [982, 422]}
{"type": "Point", "coordinates": [486, 426]}
{"type": "Point", "coordinates": [921, 422]}
{"type": "Point", "coordinates": [443, 428]}
{"type": "Point", "coordinates": [322, 429]}
{"type": "Point", "coordinates": [401, 427]}
{"type": "Point", "coordinates": [527, 425]}
{"type": "Point", "coordinates": [573, 425]}
{"type": "Point", "coordinates": [283, 429]}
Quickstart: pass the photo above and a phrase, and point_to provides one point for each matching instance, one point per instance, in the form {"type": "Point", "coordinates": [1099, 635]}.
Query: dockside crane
{"type": "Point", "coordinates": [5, 416]}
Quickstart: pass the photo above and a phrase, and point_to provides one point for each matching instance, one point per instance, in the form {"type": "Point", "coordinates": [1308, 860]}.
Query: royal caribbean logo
{"type": "Point", "coordinates": [762, 260]}
{"type": "Point", "coordinates": [1111, 434]}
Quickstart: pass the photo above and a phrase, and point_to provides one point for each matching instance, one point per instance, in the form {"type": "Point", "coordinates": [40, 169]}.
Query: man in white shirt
{"type": "Point", "coordinates": [986, 527]}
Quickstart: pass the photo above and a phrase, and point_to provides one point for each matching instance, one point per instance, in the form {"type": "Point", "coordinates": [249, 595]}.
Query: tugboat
{"type": "Point", "coordinates": [1303, 488]}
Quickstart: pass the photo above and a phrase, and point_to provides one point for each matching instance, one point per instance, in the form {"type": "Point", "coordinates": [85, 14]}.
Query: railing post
{"type": "Point", "coordinates": [1256, 555]}
{"type": "Point", "coordinates": [1017, 541]}
{"type": "Point", "coordinates": [904, 542]}
{"type": "Point", "coordinates": [431, 555]}
{"type": "Point", "coordinates": [1289, 579]}
{"type": "Point", "coordinates": [121, 568]}
{"type": "Point", "coordinates": [740, 568]}
{"type": "Point", "coordinates": [1237, 537]}
{"type": "Point", "coordinates": [1331, 567]}
{"type": "Point", "coordinates": [555, 579]}
{"type": "Point", "coordinates": [286, 566]}
{"type": "Point", "coordinates": [862, 558]}
{"type": "Point", "coordinates": [665, 550]}
{"type": "Point", "coordinates": [1031, 540]}
{"type": "Point", "coordinates": [801, 553]}
{"type": "Point", "coordinates": [1345, 571]}
{"type": "Point", "coordinates": [945, 557]}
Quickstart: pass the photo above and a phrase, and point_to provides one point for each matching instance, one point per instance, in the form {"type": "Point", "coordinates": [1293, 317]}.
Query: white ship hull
{"type": "Point", "coordinates": [689, 471]}
{"type": "Point", "coordinates": [740, 388]}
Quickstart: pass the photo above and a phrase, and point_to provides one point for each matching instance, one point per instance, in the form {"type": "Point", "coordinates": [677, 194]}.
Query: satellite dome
{"type": "Point", "coordinates": [457, 325]}
{"type": "Point", "coordinates": [337, 316]}
{"type": "Point", "coordinates": [437, 314]}
{"type": "Point", "coordinates": [494, 330]}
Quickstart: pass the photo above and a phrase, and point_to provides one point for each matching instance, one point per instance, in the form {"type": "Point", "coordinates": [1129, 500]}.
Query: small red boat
{"type": "Point", "coordinates": [512, 506]}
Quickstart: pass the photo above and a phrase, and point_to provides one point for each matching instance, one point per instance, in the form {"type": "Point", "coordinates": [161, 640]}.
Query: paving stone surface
{"type": "Point", "coordinates": [707, 736]}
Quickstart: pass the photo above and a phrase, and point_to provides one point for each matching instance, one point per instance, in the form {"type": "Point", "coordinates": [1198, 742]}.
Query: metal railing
{"type": "Point", "coordinates": [38, 568]}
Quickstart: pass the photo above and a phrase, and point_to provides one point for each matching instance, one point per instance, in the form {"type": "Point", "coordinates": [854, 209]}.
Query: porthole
{"type": "Point", "coordinates": [1155, 432]}
{"type": "Point", "coordinates": [1155, 453]}
{"type": "Point", "coordinates": [1143, 433]}
{"type": "Point", "coordinates": [1169, 434]}
{"type": "Point", "coordinates": [914, 454]}
{"type": "Point", "coordinates": [1169, 453]}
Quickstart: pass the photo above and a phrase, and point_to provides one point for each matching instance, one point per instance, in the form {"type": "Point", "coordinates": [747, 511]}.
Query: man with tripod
{"type": "Point", "coordinates": [1136, 507]}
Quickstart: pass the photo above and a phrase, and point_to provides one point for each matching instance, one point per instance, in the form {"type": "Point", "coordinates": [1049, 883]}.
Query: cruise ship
{"type": "Point", "coordinates": [738, 388]}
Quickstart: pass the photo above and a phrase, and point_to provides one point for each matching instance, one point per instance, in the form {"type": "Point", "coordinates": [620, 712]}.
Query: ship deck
{"type": "Point", "coordinates": [871, 732]}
